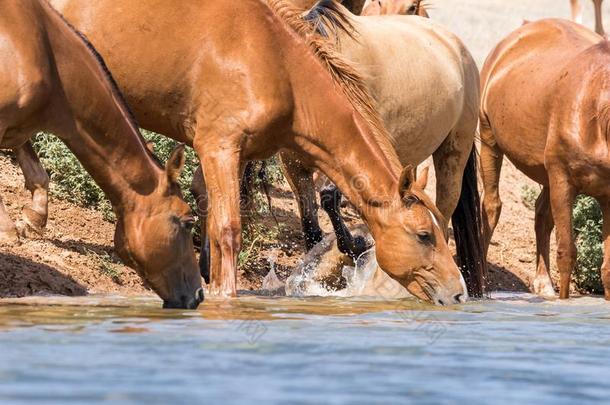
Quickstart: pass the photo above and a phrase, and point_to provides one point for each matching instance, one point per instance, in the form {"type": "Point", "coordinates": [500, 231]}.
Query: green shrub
{"type": "Point", "coordinates": [69, 181]}
{"type": "Point", "coordinates": [588, 231]}
{"type": "Point", "coordinates": [529, 195]}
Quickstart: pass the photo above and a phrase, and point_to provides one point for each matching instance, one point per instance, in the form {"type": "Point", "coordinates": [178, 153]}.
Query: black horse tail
{"type": "Point", "coordinates": [468, 231]}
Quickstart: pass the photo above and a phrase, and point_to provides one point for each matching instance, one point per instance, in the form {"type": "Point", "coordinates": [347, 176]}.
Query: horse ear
{"type": "Point", "coordinates": [175, 163]}
{"type": "Point", "coordinates": [407, 179]}
{"type": "Point", "coordinates": [422, 178]}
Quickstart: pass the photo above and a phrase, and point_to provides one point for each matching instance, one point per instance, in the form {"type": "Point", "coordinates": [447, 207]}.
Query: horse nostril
{"type": "Point", "coordinates": [457, 298]}
{"type": "Point", "coordinates": [199, 296]}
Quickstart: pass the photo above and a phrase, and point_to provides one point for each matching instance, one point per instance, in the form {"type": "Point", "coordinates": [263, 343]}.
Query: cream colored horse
{"type": "Point", "coordinates": [427, 87]}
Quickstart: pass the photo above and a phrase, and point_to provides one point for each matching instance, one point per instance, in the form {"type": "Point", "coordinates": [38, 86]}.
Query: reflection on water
{"type": "Point", "coordinates": [316, 350]}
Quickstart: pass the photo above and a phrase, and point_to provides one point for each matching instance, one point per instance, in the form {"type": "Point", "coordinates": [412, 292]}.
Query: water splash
{"type": "Point", "coordinates": [362, 278]}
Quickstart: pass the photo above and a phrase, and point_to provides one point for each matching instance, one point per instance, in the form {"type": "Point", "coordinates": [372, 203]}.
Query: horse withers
{"type": "Point", "coordinates": [546, 106]}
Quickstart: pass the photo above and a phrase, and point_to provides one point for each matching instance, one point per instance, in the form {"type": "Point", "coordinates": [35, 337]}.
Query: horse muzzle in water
{"type": "Point", "coordinates": [186, 302]}
{"type": "Point", "coordinates": [447, 296]}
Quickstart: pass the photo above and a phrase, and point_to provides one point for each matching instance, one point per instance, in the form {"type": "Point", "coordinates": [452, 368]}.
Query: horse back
{"type": "Point", "coordinates": [526, 80]}
{"type": "Point", "coordinates": [405, 60]}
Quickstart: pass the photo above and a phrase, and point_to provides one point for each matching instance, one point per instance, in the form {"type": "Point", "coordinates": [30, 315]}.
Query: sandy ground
{"type": "Point", "coordinates": [73, 256]}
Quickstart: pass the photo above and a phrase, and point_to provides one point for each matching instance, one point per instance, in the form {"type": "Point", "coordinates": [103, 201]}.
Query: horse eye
{"type": "Point", "coordinates": [425, 238]}
{"type": "Point", "coordinates": [188, 223]}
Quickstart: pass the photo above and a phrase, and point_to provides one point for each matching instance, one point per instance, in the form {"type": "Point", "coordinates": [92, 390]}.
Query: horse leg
{"type": "Point", "coordinates": [562, 201]}
{"type": "Point", "coordinates": [491, 166]}
{"type": "Point", "coordinates": [542, 284]}
{"type": "Point", "coordinates": [599, 24]}
{"type": "Point", "coordinates": [8, 232]}
{"type": "Point", "coordinates": [576, 11]}
{"type": "Point", "coordinates": [247, 188]}
{"type": "Point", "coordinates": [199, 191]}
{"type": "Point", "coordinates": [449, 163]}
{"type": "Point", "coordinates": [300, 179]}
{"type": "Point", "coordinates": [330, 197]}
{"type": "Point", "coordinates": [221, 168]}
{"type": "Point", "coordinates": [605, 270]}
{"type": "Point", "coordinates": [34, 218]}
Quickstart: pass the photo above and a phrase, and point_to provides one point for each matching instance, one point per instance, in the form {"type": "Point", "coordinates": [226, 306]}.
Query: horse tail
{"type": "Point", "coordinates": [329, 15]}
{"type": "Point", "coordinates": [468, 230]}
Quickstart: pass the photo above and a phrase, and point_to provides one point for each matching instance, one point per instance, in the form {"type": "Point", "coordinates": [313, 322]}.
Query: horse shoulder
{"type": "Point", "coordinates": [25, 71]}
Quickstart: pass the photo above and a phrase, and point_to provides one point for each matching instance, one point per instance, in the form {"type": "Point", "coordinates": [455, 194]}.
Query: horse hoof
{"type": "Point", "coordinates": [32, 224]}
{"type": "Point", "coordinates": [544, 287]}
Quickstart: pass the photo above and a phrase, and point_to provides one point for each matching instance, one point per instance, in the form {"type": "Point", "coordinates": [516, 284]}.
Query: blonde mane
{"type": "Point", "coordinates": [342, 72]}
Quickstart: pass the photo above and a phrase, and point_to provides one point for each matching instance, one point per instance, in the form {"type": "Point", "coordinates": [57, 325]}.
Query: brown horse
{"type": "Point", "coordinates": [52, 79]}
{"type": "Point", "coordinates": [243, 80]}
{"type": "Point", "coordinates": [34, 219]}
{"type": "Point", "coordinates": [577, 14]}
{"type": "Point", "coordinates": [546, 106]}
{"type": "Point", "coordinates": [392, 7]}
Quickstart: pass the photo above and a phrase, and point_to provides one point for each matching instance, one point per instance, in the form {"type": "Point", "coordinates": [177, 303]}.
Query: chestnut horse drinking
{"type": "Point", "coordinates": [426, 86]}
{"type": "Point", "coordinates": [546, 106]}
{"type": "Point", "coordinates": [241, 80]}
{"type": "Point", "coordinates": [51, 79]}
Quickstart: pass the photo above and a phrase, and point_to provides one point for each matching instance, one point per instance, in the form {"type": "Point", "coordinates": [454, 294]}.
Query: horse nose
{"type": "Point", "coordinates": [199, 296]}
{"type": "Point", "coordinates": [186, 302]}
{"type": "Point", "coordinates": [194, 302]}
{"type": "Point", "coordinates": [459, 298]}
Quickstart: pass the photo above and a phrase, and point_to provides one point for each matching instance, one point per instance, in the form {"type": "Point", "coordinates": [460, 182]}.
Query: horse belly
{"type": "Point", "coordinates": [519, 130]}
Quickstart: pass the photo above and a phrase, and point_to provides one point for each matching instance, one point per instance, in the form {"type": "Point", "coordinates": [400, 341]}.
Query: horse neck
{"type": "Point", "coordinates": [100, 131]}
{"type": "Point", "coordinates": [338, 140]}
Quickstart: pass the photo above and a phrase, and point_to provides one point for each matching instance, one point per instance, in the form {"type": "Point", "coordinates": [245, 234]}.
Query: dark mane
{"type": "Point", "coordinates": [327, 13]}
{"type": "Point", "coordinates": [343, 73]}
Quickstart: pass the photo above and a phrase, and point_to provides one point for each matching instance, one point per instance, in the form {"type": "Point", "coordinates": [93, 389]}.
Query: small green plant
{"type": "Point", "coordinates": [529, 195]}
{"type": "Point", "coordinates": [106, 265]}
{"type": "Point", "coordinates": [588, 232]}
{"type": "Point", "coordinates": [69, 181]}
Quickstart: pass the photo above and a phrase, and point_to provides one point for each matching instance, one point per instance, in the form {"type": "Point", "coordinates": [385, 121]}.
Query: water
{"type": "Point", "coordinates": [512, 349]}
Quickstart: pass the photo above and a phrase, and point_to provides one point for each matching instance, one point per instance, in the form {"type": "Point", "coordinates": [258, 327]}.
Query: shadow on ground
{"type": "Point", "coordinates": [21, 277]}
{"type": "Point", "coordinates": [503, 279]}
